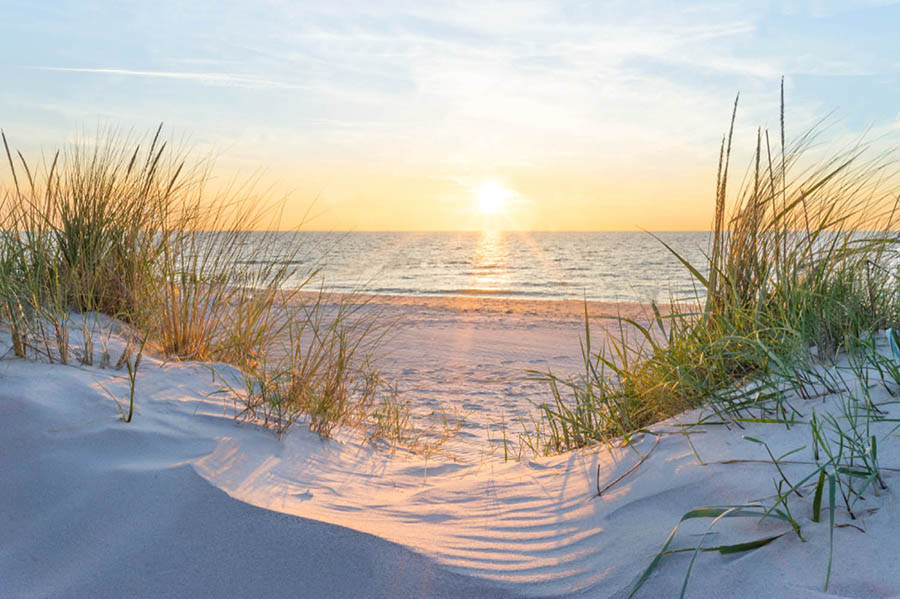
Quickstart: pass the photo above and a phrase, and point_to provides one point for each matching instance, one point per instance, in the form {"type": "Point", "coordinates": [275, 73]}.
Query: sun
{"type": "Point", "coordinates": [492, 197]}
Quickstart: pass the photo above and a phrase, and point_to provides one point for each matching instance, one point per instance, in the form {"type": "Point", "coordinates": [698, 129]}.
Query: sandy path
{"type": "Point", "coordinates": [474, 359]}
{"type": "Point", "coordinates": [470, 357]}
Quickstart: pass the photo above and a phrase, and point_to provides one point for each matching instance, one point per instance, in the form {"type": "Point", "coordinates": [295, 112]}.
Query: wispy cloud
{"type": "Point", "coordinates": [554, 83]}
{"type": "Point", "coordinates": [225, 79]}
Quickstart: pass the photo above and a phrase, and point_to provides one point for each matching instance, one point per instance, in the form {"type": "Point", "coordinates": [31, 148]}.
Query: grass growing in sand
{"type": "Point", "coordinates": [837, 469]}
{"type": "Point", "coordinates": [807, 259]}
{"type": "Point", "coordinates": [801, 272]}
{"type": "Point", "coordinates": [131, 230]}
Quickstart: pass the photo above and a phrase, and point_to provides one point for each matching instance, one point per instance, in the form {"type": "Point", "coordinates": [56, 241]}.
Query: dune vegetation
{"type": "Point", "coordinates": [800, 288]}
{"type": "Point", "coordinates": [116, 232]}
{"type": "Point", "coordinates": [802, 269]}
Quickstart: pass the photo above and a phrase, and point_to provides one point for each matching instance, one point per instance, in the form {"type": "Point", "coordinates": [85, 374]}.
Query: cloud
{"type": "Point", "coordinates": [225, 79]}
{"type": "Point", "coordinates": [489, 85]}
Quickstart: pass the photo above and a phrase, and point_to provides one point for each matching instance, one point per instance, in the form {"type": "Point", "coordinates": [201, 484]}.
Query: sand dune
{"type": "Point", "coordinates": [184, 501]}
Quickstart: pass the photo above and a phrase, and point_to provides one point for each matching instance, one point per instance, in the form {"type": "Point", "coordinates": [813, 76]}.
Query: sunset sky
{"type": "Point", "coordinates": [454, 115]}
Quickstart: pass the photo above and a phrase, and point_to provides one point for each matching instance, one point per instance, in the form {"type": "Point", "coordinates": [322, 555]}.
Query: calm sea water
{"type": "Point", "coordinates": [605, 266]}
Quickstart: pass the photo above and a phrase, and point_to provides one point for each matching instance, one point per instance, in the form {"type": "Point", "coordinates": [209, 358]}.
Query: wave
{"type": "Point", "coordinates": [599, 266]}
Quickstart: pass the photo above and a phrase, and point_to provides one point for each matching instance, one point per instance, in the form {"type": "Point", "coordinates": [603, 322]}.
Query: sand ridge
{"type": "Point", "coordinates": [184, 500]}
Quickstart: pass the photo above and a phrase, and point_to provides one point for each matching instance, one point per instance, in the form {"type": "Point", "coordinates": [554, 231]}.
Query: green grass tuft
{"type": "Point", "coordinates": [132, 229]}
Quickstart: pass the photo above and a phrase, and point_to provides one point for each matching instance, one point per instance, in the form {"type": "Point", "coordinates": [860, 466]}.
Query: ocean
{"type": "Point", "coordinates": [603, 266]}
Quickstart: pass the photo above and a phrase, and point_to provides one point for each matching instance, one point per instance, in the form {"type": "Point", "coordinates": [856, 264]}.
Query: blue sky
{"type": "Point", "coordinates": [607, 98]}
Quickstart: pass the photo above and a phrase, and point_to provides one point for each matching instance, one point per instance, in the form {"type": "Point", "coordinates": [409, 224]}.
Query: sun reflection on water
{"type": "Point", "coordinates": [490, 272]}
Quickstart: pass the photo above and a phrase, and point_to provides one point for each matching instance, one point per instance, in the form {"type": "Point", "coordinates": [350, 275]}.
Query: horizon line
{"type": "Point", "coordinates": [303, 229]}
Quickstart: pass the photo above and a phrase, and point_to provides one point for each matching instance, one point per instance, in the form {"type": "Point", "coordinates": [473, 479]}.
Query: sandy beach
{"type": "Point", "coordinates": [186, 500]}
{"type": "Point", "coordinates": [476, 358]}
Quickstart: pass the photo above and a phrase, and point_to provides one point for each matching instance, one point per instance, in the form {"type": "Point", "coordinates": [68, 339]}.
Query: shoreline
{"type": "Point", "coordinates": [564, 309]}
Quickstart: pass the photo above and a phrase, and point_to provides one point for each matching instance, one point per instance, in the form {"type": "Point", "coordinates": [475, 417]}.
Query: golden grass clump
{"type": "Point", "coordinates": [132, 230]}
{"type": "Point", "coordinates": [804, 260]}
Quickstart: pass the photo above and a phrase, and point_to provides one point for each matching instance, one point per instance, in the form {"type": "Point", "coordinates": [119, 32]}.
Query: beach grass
{"type": "Point", "coordinates": [132, 229]}
{"type": "Point", "coordinates": [842, 457]}
{"type": "Point", "coordinates": [801, 274]}
{"type": "Point", "coordinates": [804, 266]}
